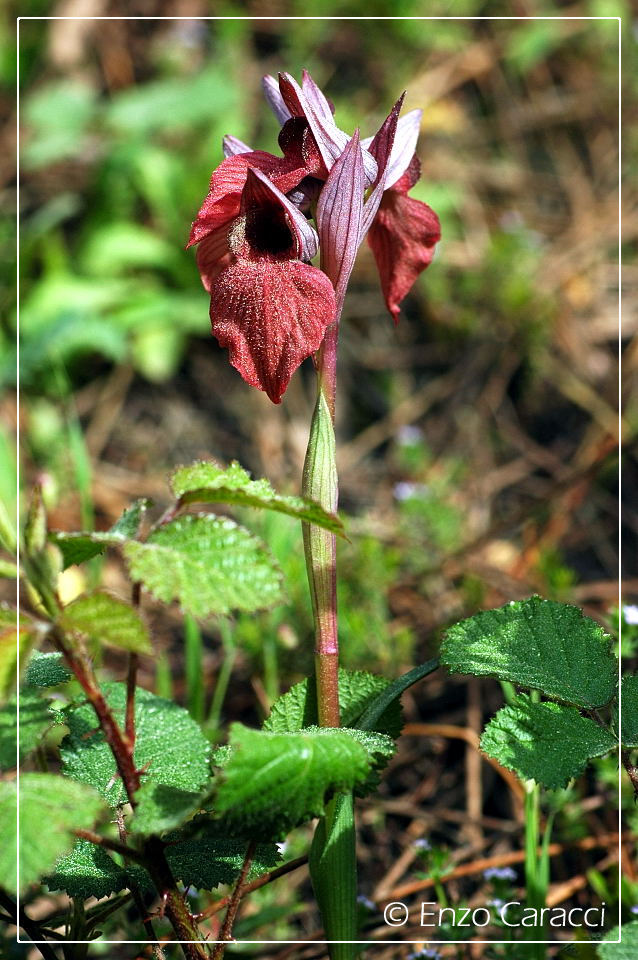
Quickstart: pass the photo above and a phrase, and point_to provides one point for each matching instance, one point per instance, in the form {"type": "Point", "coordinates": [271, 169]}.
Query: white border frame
{"type": "Point", "coordinates": [382, 942]}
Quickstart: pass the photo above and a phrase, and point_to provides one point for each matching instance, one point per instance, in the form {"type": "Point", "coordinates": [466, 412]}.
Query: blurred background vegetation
{"type": "Point", "coordinates": [477, 440]}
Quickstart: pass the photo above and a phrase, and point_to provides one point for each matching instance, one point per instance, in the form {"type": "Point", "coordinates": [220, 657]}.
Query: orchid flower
{"type": "Point", "coordinates": [404, 231]}
{"type": "Point", "coordinates": [269, 306]}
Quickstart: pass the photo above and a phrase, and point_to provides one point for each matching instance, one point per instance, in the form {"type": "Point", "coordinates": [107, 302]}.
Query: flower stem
{"type": "Point", "coordinates": [333, 868]}
{"type": "Point", "coordinates": [320, 546]}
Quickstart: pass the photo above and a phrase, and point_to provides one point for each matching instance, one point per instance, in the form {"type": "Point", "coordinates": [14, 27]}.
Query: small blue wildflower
{"type": "Point", "coordinates": [404, 490]}
{"type": "Point", "coordinates": [422, 844]}
{"type": "Point", "coordinates": [366, 902]}
{"type": "Point", "coordinates": [427, 952]}
{"type": "Point", "coordinates": [634, 909]}
{"type": "Point", "coordinates": [499, 873]}
{"type": "Point", "coordinates": [409, 435]}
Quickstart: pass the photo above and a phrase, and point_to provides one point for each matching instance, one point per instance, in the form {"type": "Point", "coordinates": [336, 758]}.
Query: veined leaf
{"type": "Point", "coordinates": [88, 871]}
{"type": "Point", "coordinates": [538, 644]}
{"type": "Point", "coordinates": [46, 670]}
{"type": "Point", "coordinates": [169, 746]}
{"type": "Point", "coordinates": [78, 547]}
{"type": "Point", "coordinates": [209, 564]}
{"type": "Point", "coordinates": [35, 719]}
{"type": "Point", "coordinates": [51, 809]}
{"type": "Point", "coordinates": [297, 708]}
{"type": "Point", "coordinates": [627, 949]}
{"type": "Point", "coordinates": [206, 482]}
{"type": "Point", "coordinates": [546, 742]}
{"type": "Point", "coordinates": [161, 807]}
{"type": "Point", "coordinates": [275, 781]}
{"type": "Point", "coordinates": [212, 858]}
{"type": "Point", "coordinates": [105, 619]}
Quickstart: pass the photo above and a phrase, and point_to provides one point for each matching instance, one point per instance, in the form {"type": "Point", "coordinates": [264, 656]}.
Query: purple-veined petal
{"type": "Point", "coordinates": [339, 216]}
{"type": "Point", "coordinates": [316, 97]}
{"type": "Point", "coordinates": [271, 316]}
{"type": "Point", "coordinates": [330, 140]}
{"type": "Point", "coordinates": [213, 254]}
{"type": "Point", "coordinates": [260, 191]}
{"type": "Point", "coordinates": [404, 145]}
{"type": "Point", "coordinates": [381, 148]}
{"type": "Point", "coordinates": [233, 145]}
{"type": "Point", "coordinates": [306, 193]}
{"type": "Point", "coordinates": [275, 99]}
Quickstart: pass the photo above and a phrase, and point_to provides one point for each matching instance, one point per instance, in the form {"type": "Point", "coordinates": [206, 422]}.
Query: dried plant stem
{"type": "Point", "coordinates": [235, 900]}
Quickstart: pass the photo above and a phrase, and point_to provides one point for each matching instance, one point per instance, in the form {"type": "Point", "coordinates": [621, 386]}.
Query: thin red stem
{"type": "Point", "coordinates": [235, 900]}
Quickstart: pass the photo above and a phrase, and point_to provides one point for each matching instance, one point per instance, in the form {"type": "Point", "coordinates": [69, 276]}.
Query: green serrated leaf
{"type": "Point", "coordinates": [169, 745]}
{"type": "Point", "coordinates": [78, 547]}
{"type": "Point", "coordinates": [546, 742]}
{"type": "Point", "coordinates": [88, 871]}
{"type": "Point", "coordinates": [206, 482]}
{"type": "Point", "coordinates": [35, 720]}
{"type": "Point", "coordinates": [539, 644]}
{"type": "Point", "coordinates": [297, 708]}
{"type": "Point", "coordinates": [380, 749]}
{"type": "Point", "coordinates": [46, 670]}
{"type": "Point", "coordinates": [51, 809]}
{"type": "Point", "coordinates": [211, 858]}
{"type": "Point", "coordinates": [627, 949]}
{"type": "Point", "coordinates": [275, 781]}
{"type": "Point", "coordinates": [629, 723]}
{"type": "Point", "coordinates": [161, 807]}
{"type": "Point", "coordinates": [209, 564]}
{"type": "Point", "coordinates": [105, 619]}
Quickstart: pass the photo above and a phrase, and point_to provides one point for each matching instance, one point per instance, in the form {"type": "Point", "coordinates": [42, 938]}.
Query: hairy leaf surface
{"type": "Point", "coordinates": [169, 745]}
{"type": "Point", "coordinates": [89, 871]}
{"type": "Point", "coordinates": [209, 564]}
{"type": "Point", "coordinates": [274, 781]}
{"type": "Point", "coordinates": [35, 719]}
{"type": "Point", "coordinates": [80, 546]}
{"type": "Point", "coordinates": [546, 742]}
{"type": "Point", "coordinates": [105, 619]}
{"type": "Point", "coordinates": [297, 708]}
{"type": "Point", "coordinates": [51, 809]}
{"type": "Point", "coordinates": [206, 482]}
{"type": "Point", "coordinates": [539, 644]}
{"type": "Point", "coordinates": [46, 670]}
